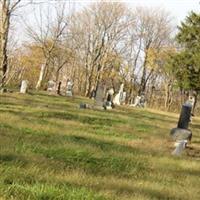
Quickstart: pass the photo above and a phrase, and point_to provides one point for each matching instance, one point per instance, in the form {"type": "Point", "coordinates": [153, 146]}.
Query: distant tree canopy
{"type": "Point", "coordinates": [186, 64]}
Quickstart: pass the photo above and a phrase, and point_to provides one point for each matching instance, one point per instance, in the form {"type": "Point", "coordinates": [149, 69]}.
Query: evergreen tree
{"type": "Point", "coordinates": [186, 64]}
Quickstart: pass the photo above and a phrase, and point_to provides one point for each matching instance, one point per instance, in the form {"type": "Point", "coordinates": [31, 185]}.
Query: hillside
{"type": "Point", "coordinates": [51, 149]}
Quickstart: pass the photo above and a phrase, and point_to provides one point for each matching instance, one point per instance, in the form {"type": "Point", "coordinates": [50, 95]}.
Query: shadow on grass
{"type": "Point", "coordinates": [66, 116]}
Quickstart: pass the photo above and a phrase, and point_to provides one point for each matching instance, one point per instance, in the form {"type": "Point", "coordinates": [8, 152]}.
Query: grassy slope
{"type": "Point", "coordinates": [50, 149]}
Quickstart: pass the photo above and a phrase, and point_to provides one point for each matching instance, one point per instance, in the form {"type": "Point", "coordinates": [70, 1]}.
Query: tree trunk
{"type": "Point", "coordinates": [5, 24]}
{"type": "Point", "coordinates": [42, 71]}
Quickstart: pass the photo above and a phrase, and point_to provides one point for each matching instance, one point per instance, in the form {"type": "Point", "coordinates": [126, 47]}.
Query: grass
{"type": "Point", "coordinates": [51, 149]}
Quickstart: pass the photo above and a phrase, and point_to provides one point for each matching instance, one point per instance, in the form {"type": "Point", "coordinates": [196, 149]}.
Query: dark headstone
{"type": "Point", "coordinates": [59, 87]}
{"type": "Point", "coordinates": [184, 118]}
{"type": "Point", "coordinates": [83, 106]}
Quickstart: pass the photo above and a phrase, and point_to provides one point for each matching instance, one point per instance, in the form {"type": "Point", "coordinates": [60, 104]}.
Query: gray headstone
{"type": "Point", "coordinates": [181, 134]}
{"type": "Point", "coordinates": [99, 97]}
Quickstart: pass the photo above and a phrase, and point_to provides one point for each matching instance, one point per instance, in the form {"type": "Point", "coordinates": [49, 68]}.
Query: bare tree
{"type": "Point", "coordinates": [7, 7]}
{"type": "Point", "coordinates": [47, 34]}
{"type": "Point", "coordinates": [97, 31]}
{"type": "Point", "coordinates": [152, 31]}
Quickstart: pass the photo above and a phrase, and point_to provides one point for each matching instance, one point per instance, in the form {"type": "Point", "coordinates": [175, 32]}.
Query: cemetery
{"type": "Point", "coordinates": [99, 101]}
{"type": "Point", "coordinates": [51, 149]}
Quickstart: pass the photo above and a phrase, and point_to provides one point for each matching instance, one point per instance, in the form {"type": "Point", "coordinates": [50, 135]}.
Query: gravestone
{"type": "Point", "coordinates": [181, 134]}
{"type": "Point", "coordinates": [109, 99]}
{"type": "Point", "coordinates": [123, 98]}
{"type": "Point", "coordinates": [136, 102]}
{"type": "Point", "coordinates": [98, 103]}
{"type": "Point", "coordinates": [119, 96]}
{"type": "Point", "coordinates": [139, 101]}
{"type": "Point", "coordinates": [69, 89]}
{"type": "Point", "coordinates": [51, 86]}
{"type": "Point", "coordinates": [93, 94]}
{"type": "Point", "coordinates": [185, 115]}
{"type": "Point", "coordinates": [24, 87]}
{"type": "Point", "coordinates": [180, 146]}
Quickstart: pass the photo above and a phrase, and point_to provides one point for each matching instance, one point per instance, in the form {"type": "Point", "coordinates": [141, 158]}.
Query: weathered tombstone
{"type": "Point", "coordinates": [116, 99]}
{"type": "Point", "coordinates": [109, 99]}
{"type": "Point", "coordinates": [180, 146]}
{"type": "Point", "coordinates": [51, 86]}
{"type": "Point", "coordinates": [84, 106]}
{"type": "Point", "coordinates": [119, 96]}
{"type": "Point", "coordinates": [98, 103]}
{"type": "Point", "coordinates": [24, 87]}
{"type": "Point", "coordinates": [136, 102]}
{"type": "Point", "coordinates": [69, 89]}
{"type": "Point", "coordinates": [182, 134]}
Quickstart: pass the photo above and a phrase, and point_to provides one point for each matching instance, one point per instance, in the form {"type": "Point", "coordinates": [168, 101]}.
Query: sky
{"type": "Point", "coordinates": [178, 9]}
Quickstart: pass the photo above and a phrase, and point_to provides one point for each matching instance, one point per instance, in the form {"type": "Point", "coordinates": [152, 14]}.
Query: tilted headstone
{"type": "Point", "coordinates": [24, 87]}
{"type": "Point", "coordinates": [69, 89]}
{"type": "Point", "coordinates": [185, 115]}
{"type": "Point", "coordinates": [182, 134]}
{"type": "Point", "coordinates": [99, 97]}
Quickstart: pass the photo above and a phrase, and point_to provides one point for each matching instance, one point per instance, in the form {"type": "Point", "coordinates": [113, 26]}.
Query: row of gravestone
{"type": "Point", "coordinates": [51, 87]}
{"type": "Point", "coordinates": [181, 134]}
{"type": "Point", "coordinates": [101, 100]}
{"type": "Point", "coordinates": [107, 100]}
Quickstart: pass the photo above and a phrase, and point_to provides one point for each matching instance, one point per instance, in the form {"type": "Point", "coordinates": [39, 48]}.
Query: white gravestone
{"type": "Point", "coordinates": [123, 99]}
{"type": "Point", "coordinates": [180, 146]}
{"type": "Point", "coordinates": [69, 89]}
{"type": "Point", "coordinates": [136, 102]}
{"type": "Point", "coordinates": [117, 99]}
{"type": "Point", "coordinates": [24, 87]}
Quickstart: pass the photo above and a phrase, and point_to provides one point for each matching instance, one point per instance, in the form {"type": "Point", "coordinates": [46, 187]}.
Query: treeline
{"type": "Point", "coordinates": [110, 43]}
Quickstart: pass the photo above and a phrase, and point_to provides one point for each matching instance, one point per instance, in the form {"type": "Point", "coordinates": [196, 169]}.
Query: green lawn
{"type": "Point", "coordinates": [50, 149]}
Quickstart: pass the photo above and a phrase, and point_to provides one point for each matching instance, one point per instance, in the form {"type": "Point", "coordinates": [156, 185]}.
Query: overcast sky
{"type": "Point", "coordinates": [179, 9]}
